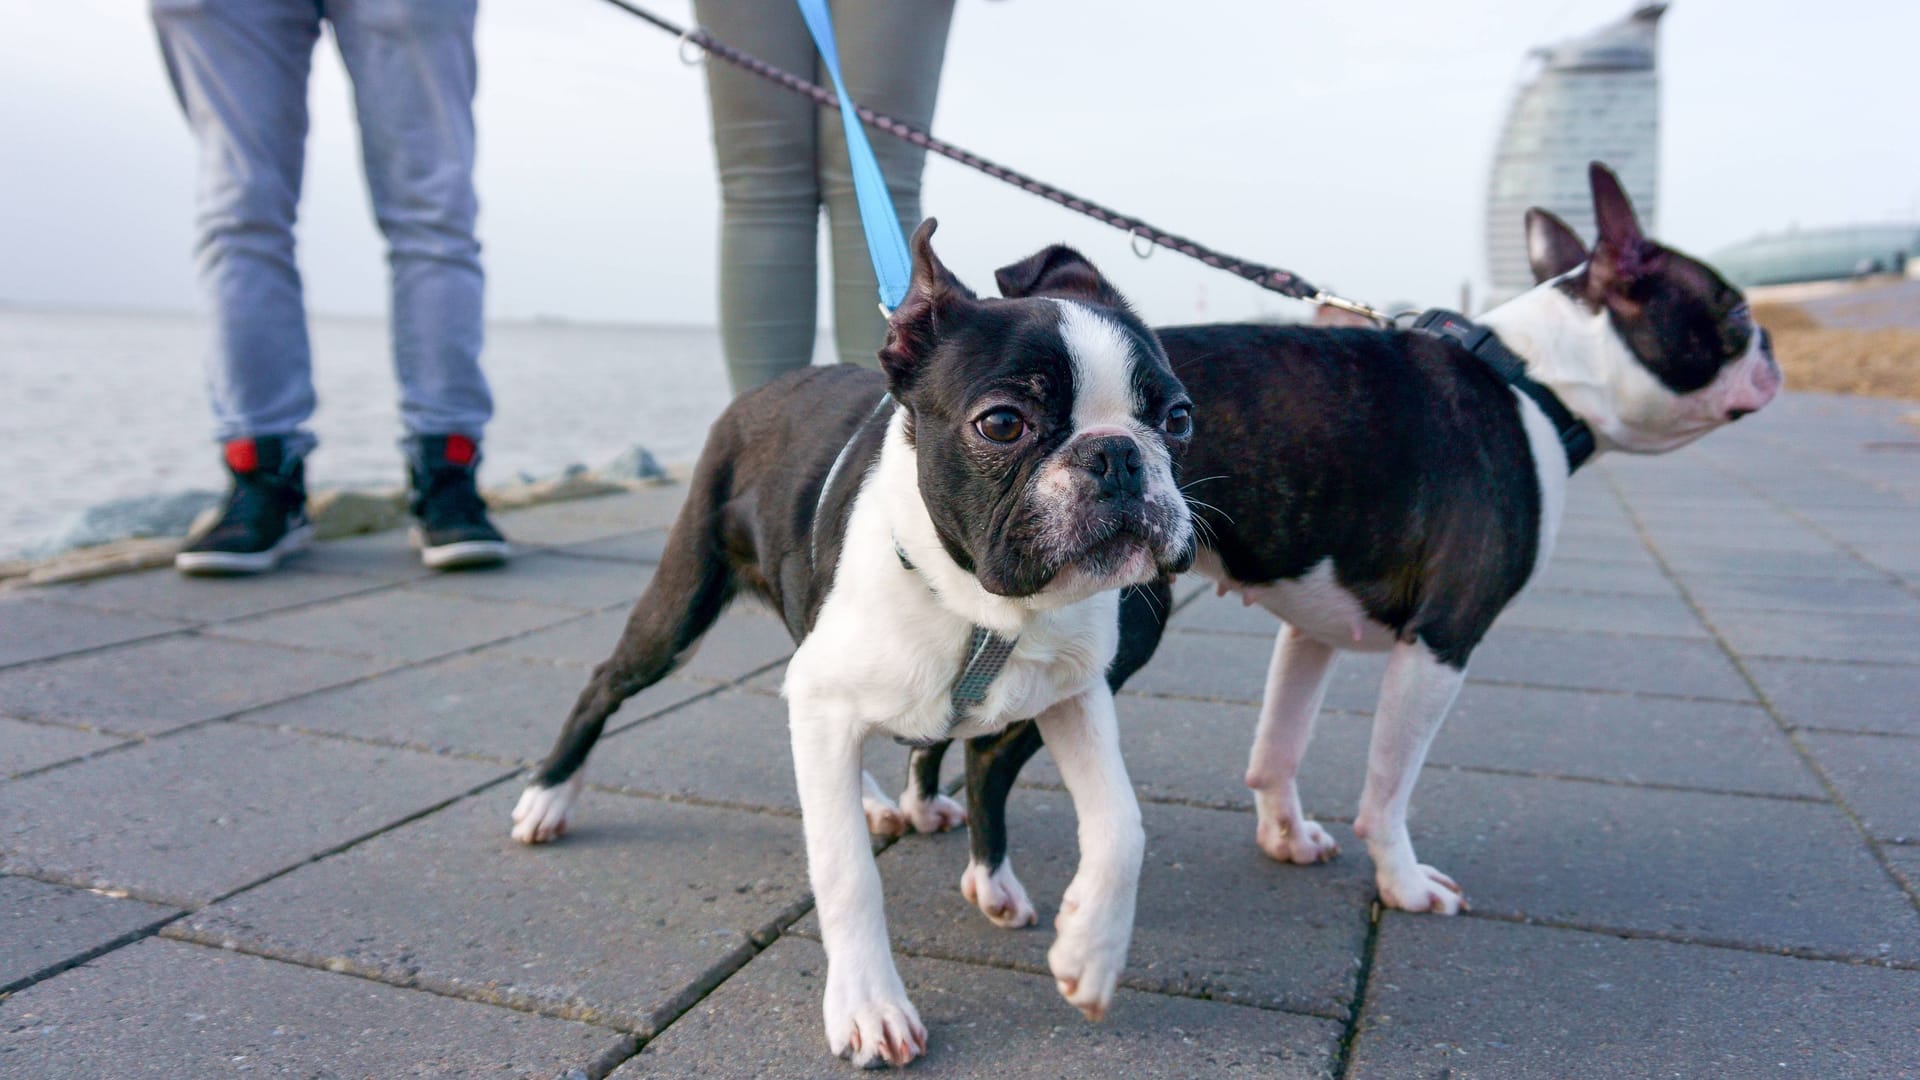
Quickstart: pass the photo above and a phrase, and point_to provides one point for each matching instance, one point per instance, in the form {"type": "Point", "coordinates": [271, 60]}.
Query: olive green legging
{"type": "Point", "coordinates": [781, 156]}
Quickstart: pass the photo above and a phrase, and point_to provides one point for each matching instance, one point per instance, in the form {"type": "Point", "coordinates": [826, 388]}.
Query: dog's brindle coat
{"type": "Point", "coordinates": [1012, 469]}
{"type": "Point", "coordinates": [1385, 490]}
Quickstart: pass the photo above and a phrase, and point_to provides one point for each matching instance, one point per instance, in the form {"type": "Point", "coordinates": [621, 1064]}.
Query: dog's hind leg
{"type": "Point", "coordinates": [993, 764]}
{"type": "Point", "coordinates": [1418, 690]}
{"type": "Point", "coordinates": [1296, 683]}
{"type": "Point", "coordinates": [926, 807]}
{"type": "Point", "coordinates": [689, 590]}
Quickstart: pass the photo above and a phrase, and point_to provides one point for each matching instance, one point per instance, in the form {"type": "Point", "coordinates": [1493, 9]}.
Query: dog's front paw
{"type": "Point", "coordinates": [870, 1021]}
{"type": "Point", "coordinates": [1418, 887]}
{"type": "Point", "coordinates": [937, 814]}
{"type": "Point", "coordinates": [884, 818]}
{"type": "Point", "coordinates": [1089, 954]}
{"type": "Point", "coordinates": [541, 815]}
{"type": "Point", "coordinates": [1303, 842]}
{"type": "Point", "coordinates": [999, 895]}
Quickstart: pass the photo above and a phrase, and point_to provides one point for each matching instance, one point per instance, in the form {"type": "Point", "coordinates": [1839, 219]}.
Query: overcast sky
{"type": "Point", "coordinates": [1346, 140]}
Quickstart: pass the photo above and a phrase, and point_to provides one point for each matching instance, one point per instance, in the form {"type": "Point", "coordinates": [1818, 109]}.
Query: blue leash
{"type": "Point", "coordinates": [892, 266]}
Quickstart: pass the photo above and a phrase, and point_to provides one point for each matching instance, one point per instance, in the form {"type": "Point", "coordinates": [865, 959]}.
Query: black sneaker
{"type": "Point", "coordinates": [265, 518]}
{"type": "Point", "coordinates": [452, 530]}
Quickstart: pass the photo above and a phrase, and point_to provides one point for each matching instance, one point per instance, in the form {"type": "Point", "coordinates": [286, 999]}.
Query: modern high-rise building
{"type": "Point", "coordinates": [1594, 98]}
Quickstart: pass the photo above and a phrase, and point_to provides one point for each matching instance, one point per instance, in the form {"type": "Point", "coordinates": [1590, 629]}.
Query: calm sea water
{"type": "Point", "coordinates": [97, 406]}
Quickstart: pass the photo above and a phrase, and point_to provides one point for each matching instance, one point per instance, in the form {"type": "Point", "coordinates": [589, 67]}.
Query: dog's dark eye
{"type": "Point", "coordinates": [1001, 426]}
{"type": "Point", "coordinates": [1179, 421]}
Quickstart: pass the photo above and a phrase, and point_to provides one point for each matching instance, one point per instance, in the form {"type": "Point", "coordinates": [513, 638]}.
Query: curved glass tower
{"type": "Point", "coordinates": [1595, 98]}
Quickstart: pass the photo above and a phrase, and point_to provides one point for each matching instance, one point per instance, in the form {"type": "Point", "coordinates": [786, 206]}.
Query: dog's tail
{"type": "Point", "coordinates": [690, 589]}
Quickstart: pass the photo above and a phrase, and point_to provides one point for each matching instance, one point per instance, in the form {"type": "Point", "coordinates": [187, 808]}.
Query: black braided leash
{"type": "Point", "coordinates": [1267, 277]}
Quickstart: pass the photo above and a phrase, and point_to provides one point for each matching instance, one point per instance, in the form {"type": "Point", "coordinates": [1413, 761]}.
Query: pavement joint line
{"type": "Point", "coordinates": [1649, 785]}
{"type": "Point", "coordinates": [1634, 933]}
{"type": "Point", "coordinates": [187, 908]}
{"type": "Point", "coordinates": [142, 738]}
{"type": "Point", "coordinates": [1342, 1065]}
{"type": "Point", "coordinates": [90, 955]}
{"type": "Point", "coordinates": [1807, 757]}
{"type": "Point", "coordinates": [178, 631]}
{"type": "Point", "coordinates": [372, 587]}
{"type": "Point", "coordinates": [1821, 729]}
{"type": "Point", "coordinates": [1134, 984]}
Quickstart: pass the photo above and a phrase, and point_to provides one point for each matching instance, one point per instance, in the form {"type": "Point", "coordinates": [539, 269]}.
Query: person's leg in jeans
{"type": "Point", "coordinates": [413, 71]}
{"type": "Point", "coordinates": [764, 143]}
{"type": "Point", "coordinates": [890, 55]}
{"type": "Point", "coordinates": [239, 69]}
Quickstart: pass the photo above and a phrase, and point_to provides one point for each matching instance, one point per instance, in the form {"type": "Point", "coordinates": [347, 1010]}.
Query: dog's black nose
{"type": "Point", "coordinates": [1114, 461]}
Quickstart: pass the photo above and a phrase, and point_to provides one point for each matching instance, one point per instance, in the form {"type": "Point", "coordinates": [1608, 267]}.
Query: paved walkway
{"type": "Point", "coordinates": [261, 826]}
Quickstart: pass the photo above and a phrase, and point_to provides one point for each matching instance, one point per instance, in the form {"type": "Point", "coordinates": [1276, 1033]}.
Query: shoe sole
{"type": "Point", "coordinates": [464, 554]}
{"type": "Point", "coordinates": [233, 563]}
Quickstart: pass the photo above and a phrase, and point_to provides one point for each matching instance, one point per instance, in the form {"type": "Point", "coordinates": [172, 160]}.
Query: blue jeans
{"type": "Point", "coordinates": [239, 68]}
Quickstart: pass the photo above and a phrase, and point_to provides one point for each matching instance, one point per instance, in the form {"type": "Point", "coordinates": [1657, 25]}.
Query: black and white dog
{"type": "Point", "coordinates": [1389, 491]}
{"type": "Point", "coordinates": [1013, 468]}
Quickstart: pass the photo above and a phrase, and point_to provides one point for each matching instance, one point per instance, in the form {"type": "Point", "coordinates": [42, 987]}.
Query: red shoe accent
{"type": "Point", "coordinates": [242, 456]}
{"type": "Point", "coordinates": [461, 450]}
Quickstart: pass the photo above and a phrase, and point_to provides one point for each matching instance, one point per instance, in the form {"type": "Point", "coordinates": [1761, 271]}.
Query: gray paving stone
{"type": "Point", "coordinates": [155, 686]}
{"type": "Point", "coordinates": [26, 746]}
{"type": "Point", "coordinates": [745, 639]}
{"type": "Point", "coordinates": [1691, 559]}
{"type": "Point", "coordinates": [629, 919]}
{"type": "Point", "coordinates": [1585, 575]}
{"type": "Point", "coordinates": [1477, 998]}
{"type": "Point", "coordinates": [1607, 662]}
{"type": "Point", "coordinates": [163, 592]}
{"type": "Point", "coordinates": [1905, 861]}
{"type": "Point", "coordinates": [1847, 697]}
{"type": "Point", "coordinates": [730, 748]}
{"type": "Point", "coordinates": [399, 624]}
{"type": "Point", "coordinates": [1628, 739]}
{"type": "Point", "coordinates": [1748, 593]}
{"type": "Point", "coordinates": [387, 557]}
{"type": "Point", "coordinates": [643, 547]}
{"type": "Point", "coordinates": [1877, 775]}
{"type": "Point", "coordinates": [1767, 873]}
{"type": "Point", "coordinates": [1548, 609]}
{"type": "Point", "coordinates": [540, 578]}
{"type": "Point", "coordinates": [185, 819]}
{"type": "Point", "coordinates": [1626, 550]}
{"type": "Point", "coordinates": [162, 1008]}
{"type": "Point", "coordinates": [1226, 615]}
{"type": "Point", "coordinates": [1800, 635]}
{"type": "Point", "coordinates": [583, 520]}
{"type": "Point", "coordinates": [1769, 533]}
{"type": "Point", "coordinates": [31, 630]}
{"type": "Point", "coordinates": [496, 707]}
{"type": "Point", "coordinates": [1893, 556]}
{"type": "Point", "coordinates": [49, 926]}
{"type": "Point", "coordinates": [981, 1022]}
{"type": "Point", "coordinates": [1290, 937]}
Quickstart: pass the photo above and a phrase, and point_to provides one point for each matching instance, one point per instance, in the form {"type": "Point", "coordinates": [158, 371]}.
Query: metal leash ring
{"type": "Point", "coordinates": [1137, 234]}
{"type": "Point", "coordinates": [692, 37]}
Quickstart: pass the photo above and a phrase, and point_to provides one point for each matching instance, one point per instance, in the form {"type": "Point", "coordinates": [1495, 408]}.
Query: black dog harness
{"type": "Point", "coordinates": [1575, 436]}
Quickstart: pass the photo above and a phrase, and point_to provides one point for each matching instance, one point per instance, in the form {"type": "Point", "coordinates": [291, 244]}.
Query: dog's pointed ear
{"type": "Point", "coordinates": [932, 297]}
{"type": "Point", "coordinates": [1057, 271]}
{"type": "Point", "coordinates": [1553, 248]}
{"type": "Point", "coordinates": [1622, 254]}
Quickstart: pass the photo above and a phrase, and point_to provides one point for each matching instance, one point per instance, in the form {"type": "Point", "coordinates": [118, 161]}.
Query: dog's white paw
{"type": "Point", "coordinates": [542, 812]}
{"type": "Point", "coordinates": [884, 818]}
{"type": "Point", "coordinates": [1304, 842]}
{"type": "Point", "coordinates": [869, 1019]}
{"type": "Point", "coordinates": [937, 814]}
{"type": "Point", "coordinates": [1418, 887]}
{"type": "Point", "coordinates": [999, 895]}
{"type": "Point", "coordinates": [1089, 954]}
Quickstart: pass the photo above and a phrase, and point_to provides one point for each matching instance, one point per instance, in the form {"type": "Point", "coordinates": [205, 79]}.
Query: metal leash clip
{"type": "Point", "coordinates": [1327, 299]}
